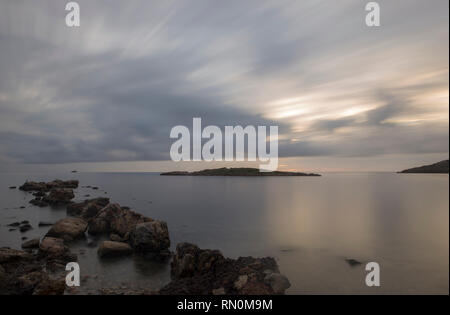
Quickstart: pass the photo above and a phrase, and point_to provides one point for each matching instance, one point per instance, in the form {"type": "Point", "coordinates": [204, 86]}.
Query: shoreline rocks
{"type": "Point", "coordinates": [69, 229]}
{"type": "Point", "coordinates": [114, 249]}
{"type": "Point", "coordinates": [198, 271]}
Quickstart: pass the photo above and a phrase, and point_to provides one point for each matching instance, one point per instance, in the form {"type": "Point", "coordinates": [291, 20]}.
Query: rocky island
{"type": "Point", "coordinates": [436, 168]}
{"type": "Point", "coordinates": [241, 171]}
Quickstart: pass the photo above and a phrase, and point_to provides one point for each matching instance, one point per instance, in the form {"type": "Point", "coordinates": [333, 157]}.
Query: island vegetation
{"type": "Point", "coordinates": [241, 171]}
{"type": "Point", "coordinates": [439, 167]}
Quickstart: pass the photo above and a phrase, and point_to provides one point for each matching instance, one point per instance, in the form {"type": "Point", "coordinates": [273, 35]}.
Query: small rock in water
{"type": "Point", "coordinates": [24, 238]}
{"type": "Point", "coordinates": [15, 224]}
{"type": "Point", "coordinates": [25, 222]}
{"type": "Point", "coordinates": [12, 187]}
{"type": "Point", "coordinates": [10, 230]}
{"type": "Point", "coordinates": [353, 262]}
{"type": "Point", "coordinates": [95, 188]}
{"type": "Point", "coordinates": [25, 228]}
{"type": "Point", "coordinates": [43, 223]}
{"type": "Point", "coordinates": [22, 207]}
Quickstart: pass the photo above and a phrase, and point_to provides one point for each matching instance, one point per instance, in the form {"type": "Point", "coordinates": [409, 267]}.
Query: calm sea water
{"type": "Point", "coordinates": [309, 224]}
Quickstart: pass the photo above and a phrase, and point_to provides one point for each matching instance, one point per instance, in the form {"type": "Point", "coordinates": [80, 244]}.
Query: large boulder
{"type": "Point", "coordinates": [114, 219]}
{"type": "Point", "coordinates": [87, 209]}
{"type": "Point", "coordinates": [59, 196]}
{"type": "Point", "coordinates": [114, 249]}
{"type": "Point", "coordinates": [150, 237]}
{"type": "Point", "coordinates": [30, 244]}
{"type": "Point", "coordinates": [68, 229]}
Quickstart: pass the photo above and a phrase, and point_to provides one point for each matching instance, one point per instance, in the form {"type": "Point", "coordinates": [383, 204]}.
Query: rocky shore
{"type": "Point", "coordinates": [40, 267]}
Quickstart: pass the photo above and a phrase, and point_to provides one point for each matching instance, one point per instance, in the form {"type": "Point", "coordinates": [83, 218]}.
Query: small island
{"type": "Point", "coordinates": [240, 171]}
{"type": "Point", "coordinates": [436, 168]}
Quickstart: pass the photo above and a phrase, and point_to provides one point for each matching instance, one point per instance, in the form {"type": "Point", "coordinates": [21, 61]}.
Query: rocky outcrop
{"type": "Point", "coordinates": [87, 209]}
{"type": "Point", "coordinates": [45, 187]}
{"type": "Point", "coordinates": [68, 229]}
{"type": "Point", "coordinates": [58, 196]}
{"type": "Point", "coordinates": [150, 237]}
{"type": "Point", "coordinates": [114, 219]}
{"type": "Point", "coordinates": [196, 271]}
{"type": "Point", "coordinates": [22, 273]}
{"type": "Point", "coordinates": [54, 249]}
{"type": "Point", "coordinates": [114, 249]}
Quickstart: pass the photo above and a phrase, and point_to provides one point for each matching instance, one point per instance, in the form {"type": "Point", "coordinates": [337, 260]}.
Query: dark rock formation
{"type": "Point", "coordinates": [150, 237]}
{"type": "Point", "coordinates": [440, 167]}
{"type": "Point", "coordinates": [87, 209]}
{"type": "Point", "coordinates": [114, 219]}
{"type": "Point", "coordinates": [196, 271]}
{"type": "Point", "coordinates": [22, 273]}
{"type": "Point", "coordinates": [68, 229]}
{"type": "Point", "coordinates": [45, 187]}
{"type": "Point", "coordinates": [242, 171]}
{"type": "Point", "coordinates": [58, 196]}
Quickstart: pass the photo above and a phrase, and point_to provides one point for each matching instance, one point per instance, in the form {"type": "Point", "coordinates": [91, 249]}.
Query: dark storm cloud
{"type": "Point", "coordinates": [113, 89]}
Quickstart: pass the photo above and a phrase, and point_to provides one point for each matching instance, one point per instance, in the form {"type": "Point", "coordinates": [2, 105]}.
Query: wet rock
{"type": "Point", "coordinates": [150, 237]}
{"type": "Point", "coordinates": [54, 249]}
{"type": "Point", "coordinates": [114, 249]}
{"type": "Point", "coordinates": [38, 202]}
{"type": "Point", "coordinates": [45, 187]}
{"type": "Point", "coordinates": [8, 255]}
{"type": "Point", "coordinates": [58, 196]}
{"type": "Point", "coordinates": [25, 227]}
{"type": "Point", "coordinates": [25, 222]}
{"type": "Point", "coordinates": [12, 187]}
{"type": "Point", "coordinates": [43, 223]}
{"type": "Point", "coordinates": [114, 219]}
{"type": "Point", "coordinates": [198, 271]}
{"type": "Point", "coordinates": [39, 194]}
{"type": "Point", "coordinates": [277, 282]}
{"type": "Point", "coordinates": [14, 224]}
{"type": "Point", "coordinates": [87, 209]}
{"type": "Point", "coordinates": [68, 229]}
{"type": "Point", "coordinates": [115, 238]}
{"type": "Point", "coordinates": [34, 243]}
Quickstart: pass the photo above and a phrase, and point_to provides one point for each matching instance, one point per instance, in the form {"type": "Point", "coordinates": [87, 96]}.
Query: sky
{"type": "Point", "coordinates": [104, 96]}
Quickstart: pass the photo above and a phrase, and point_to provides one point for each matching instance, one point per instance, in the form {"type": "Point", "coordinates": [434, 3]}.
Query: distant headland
{"type": "Point", "coordinates": [439, 167]}
{"type": "Point", "coordinates": [241, 171]}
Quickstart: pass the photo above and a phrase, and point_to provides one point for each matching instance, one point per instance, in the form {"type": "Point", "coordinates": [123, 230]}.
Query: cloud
{"type": "Point", "coordinates": [112, 89]}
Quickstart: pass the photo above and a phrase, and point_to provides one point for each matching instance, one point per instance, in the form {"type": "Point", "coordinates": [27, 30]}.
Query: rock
{"type": "Point", "coordinates": [114, 249]}
{"type": "Point", "coordinates": [15, 224]}
{"type": "Point", "coordinates": [241, 282]}
{"type": "Point", "coordinates": [12, 187]}
{"type": "Point", "coordinates": [150, 237]}
{"type": "Point", "coordinates": [115, 238]}
{"type": "Point", "coordinates": [34, 243]}
{"type": "Point", "coordinates": [38, 202]}
{"type": "Point", "coordinates": [114, 219]}
{"type": "Point", "coordinates": [45, 187]}
{"type": "Point", "coordinates": [39, 194]}
{"type": "Point", "coordinates": [353, 262]}
{"type": "Point", "coordinates": [59, 196]}
{"type": "Point", "coordinates": [219, 291]}
{"type": "Point", "coordinates": [25, 222]}
{"type": "Point", "coordinates": [24, 228]}
{"type": "Point", "coordinates": [197, 271]}
{"type": "Point", "coordinates": [68, 229]}
{"type": "Point", "coordinates": [43, 223]}
{"type": "Point", "coordinates": [87, 209]}
{"type": "Point", "coordinates": [8, 255]}
{"type": "Point", "coordinates": [54, 248]}
{"type": "Point", "coordinates": [277, 282]}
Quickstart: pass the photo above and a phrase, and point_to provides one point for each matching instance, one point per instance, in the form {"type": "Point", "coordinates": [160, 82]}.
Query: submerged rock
{"type": "Point", "coordinates": [114, 249]}
{"type": "Point", "coordinates": [196, 271]}
{"type": "Point", "coordinates": [68, 229]}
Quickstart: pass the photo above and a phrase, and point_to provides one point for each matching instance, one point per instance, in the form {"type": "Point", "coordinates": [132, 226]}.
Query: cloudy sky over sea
{"type": "Point", "coordinates": [345, 96]}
